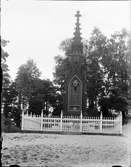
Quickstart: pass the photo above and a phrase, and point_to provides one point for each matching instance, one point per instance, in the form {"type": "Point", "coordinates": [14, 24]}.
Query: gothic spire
{"type": "Point", "coordinates": [77, 34]}
{"type": "Point", "coordinates": [77, 47]}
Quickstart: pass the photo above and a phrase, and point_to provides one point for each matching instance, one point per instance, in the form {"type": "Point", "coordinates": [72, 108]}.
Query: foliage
{"type": "Point", "coordinates": [11, 114]}
{"type": "Point", "coordinates": [5, 80]}
{"type": "Point", "coordinates": [26, 74]}
{"type": "Point", "coordinates": [113, 103]}
{"type": "Point", "coordinates": [58, 105]}
{"type": "Point", "coordinates": [129, 67]}
{"type": "Point", "coordinates": [43, 96]}
{"type": "Point", "coordinates": [116, 72]}
{"type": "Point", "coordinates": [4, 66]}
{"type": "Point", "coordinates": [95, 73]}
{"type": "Point", "coordinates": [26, 79]}
{"type": "Point", "coordinates": [62, 68]}
{"type": "Point", "coordinates": [65, 45]}
{"type": "Point", "coordinates": [94, 83]}
{"type": "Point", "coordinates": [38, 93]}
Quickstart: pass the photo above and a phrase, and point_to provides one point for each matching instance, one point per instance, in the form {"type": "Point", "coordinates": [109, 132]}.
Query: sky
{"type": "Point", "coordinates": [35, 28]}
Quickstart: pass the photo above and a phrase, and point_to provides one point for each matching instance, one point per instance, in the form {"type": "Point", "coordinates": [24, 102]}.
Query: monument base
{"type": "Point", "coordinates": [72, 113]}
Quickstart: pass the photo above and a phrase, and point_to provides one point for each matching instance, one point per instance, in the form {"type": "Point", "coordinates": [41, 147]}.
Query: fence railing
{"type": "Point", "coordinates": [82, 124]}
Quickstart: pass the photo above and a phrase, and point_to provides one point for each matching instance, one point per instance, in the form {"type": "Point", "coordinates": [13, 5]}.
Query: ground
{"type": "Point", "coordinates": [55, 150]}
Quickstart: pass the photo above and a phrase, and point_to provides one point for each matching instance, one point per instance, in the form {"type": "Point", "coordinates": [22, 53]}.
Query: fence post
{"type": "Point", "coordinates": [61, 120]}
{"type": "Point", "coordinates": [101, 123]}
{"type": "Point", "coordinates": [120, 122]}
{"type": "Point", "coordinates": [27, 113]}
{"type": "Point", "coordinates": [22, 120]}
{"type": "Point", "coordinates": [41, 127]}
{"type": "Point", "coordinates": [81, 122]}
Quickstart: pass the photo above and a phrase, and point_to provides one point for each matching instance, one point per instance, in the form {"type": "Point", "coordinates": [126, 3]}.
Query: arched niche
{"type": "Point", "coordinates": [75, 94]}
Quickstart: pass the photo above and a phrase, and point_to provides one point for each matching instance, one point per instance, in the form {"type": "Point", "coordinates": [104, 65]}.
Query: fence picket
{"type": "Point", "coordinates": [41, 120]}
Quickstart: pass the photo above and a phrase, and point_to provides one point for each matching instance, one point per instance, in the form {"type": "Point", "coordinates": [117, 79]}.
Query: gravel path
{"type": "Point", "coordinates": [54, 150]}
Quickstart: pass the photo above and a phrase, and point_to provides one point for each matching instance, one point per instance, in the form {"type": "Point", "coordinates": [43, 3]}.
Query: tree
{"type": "Point", "coordinates": [11, 112]}
{"type": "Point", "coordinates": [129, 68]}
{"type": "Point", "coordinates": [4, 56]}
{"type": "Point", "coordinates": [61, 69]}
{"type": "Point", "coordinates": [95, 49]}
{"type": "Point", "coordinates": [114, 63]}
{"type": "Point", "coordinates": [43, 96]}
{"type": "Point", "coordinates": [111, 72]}
{"type": "Point", "coordinates": [38, 93]}
{"type": "Point", "coordinates": [5, 80]}
{"type": "Point", "coordinates": [65, 45]}
{"type": "Point", "coordinates": [118, 64]}
{"type": "Point", "coordinates": [58, 105]}
{"type": "Point", "coordinates": [26, 74]}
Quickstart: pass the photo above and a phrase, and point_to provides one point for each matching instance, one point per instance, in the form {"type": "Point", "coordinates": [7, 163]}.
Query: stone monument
{"type": "Point", "coordinates": [75, 82]}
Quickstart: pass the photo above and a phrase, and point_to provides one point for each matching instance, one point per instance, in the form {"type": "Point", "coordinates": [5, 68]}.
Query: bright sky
{"type": "Point", "coordinates": [35, 28]}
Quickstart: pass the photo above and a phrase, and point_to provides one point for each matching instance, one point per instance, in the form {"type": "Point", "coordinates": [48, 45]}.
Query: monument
{"type": "Point", "coordinates": [75, 82]}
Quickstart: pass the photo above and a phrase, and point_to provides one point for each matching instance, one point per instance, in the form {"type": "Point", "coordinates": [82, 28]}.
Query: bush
{"type": "Point", "coordinates": [8, 126]}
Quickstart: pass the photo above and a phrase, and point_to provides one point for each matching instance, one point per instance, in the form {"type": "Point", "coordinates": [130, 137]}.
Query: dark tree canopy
{"type": "Point", "coordinates": [4, 66]}
{"type": "Point", "coordinates": [26, 75]}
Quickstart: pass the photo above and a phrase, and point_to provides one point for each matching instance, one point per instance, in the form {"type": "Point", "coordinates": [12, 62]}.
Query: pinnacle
{"type": "Point", "coordinates": [77, 34]}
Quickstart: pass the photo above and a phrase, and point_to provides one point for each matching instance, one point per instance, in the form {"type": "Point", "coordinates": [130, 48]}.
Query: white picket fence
{"type": "Point", "coordinates": [73, 124]}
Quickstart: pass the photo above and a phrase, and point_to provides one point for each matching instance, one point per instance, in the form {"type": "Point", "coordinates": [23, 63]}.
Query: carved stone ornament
{"type": "Point", "coordinates": [75, 83]}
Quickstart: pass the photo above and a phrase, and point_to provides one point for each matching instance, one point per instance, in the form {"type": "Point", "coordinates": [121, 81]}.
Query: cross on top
{"type": "Point", "coordinates": [78, 15]}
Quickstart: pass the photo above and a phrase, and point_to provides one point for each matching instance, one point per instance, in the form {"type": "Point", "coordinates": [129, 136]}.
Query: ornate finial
{"type": "Point", "coordinates": [78, 15]}
{"type": "Point", "coordinates": [77, 34]}
{"type": "Point", "coordinates": [77, 46]}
